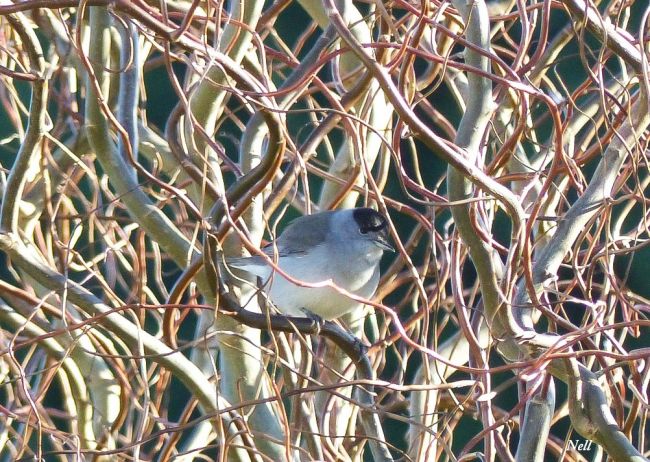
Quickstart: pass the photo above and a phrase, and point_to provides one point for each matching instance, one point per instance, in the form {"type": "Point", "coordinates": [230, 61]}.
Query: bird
{"type": "Point", "coordinates": [343, 247]}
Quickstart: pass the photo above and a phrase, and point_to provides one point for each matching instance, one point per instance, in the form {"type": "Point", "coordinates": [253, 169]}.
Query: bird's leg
{"type": "Point", "coordinates": [360, 347]}
{"type": "Point", "coordinates": [315, 318]}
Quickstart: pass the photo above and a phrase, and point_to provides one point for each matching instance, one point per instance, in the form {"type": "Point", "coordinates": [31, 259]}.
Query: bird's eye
{"type": "Point", "coordinates": [370, 227]}
{"type": "Point", "coordinates": [369, 220]}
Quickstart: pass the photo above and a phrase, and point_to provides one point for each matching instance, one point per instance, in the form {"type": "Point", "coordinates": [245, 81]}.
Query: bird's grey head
{"type": "Point", "coordinates": [372, 226]}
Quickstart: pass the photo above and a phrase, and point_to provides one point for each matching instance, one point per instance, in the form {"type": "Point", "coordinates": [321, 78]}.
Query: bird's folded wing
{"type": "Point", "coordinates": [255, 265]}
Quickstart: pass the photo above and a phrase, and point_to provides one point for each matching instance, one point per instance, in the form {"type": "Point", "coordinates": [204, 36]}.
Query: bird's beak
{"type": "Point", "coordinates": [382, 242]}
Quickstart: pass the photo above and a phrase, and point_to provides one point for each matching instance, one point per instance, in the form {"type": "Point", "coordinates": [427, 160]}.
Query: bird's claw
{"type": "Point", "coordinates": [360, 347]}
{"type": "Point", "coordinates": [319, 321]}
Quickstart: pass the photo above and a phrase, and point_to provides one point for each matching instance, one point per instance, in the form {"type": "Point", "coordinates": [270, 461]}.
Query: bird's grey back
{"type": "Point", "coordinates": [303, 233]}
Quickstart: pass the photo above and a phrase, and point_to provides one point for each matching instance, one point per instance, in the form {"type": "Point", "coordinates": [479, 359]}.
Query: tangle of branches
{"type": "Point", "coordinates": [506, 141]}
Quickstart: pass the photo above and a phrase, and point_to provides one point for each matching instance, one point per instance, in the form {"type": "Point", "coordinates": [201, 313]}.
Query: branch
{"type": "Point", "coordinates": [29, 152]}
{"type": "Point", "coordinates": [347, 342]}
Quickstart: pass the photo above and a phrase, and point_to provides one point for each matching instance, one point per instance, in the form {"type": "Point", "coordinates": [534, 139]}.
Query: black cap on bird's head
{"type": "Point", "coordinates": [373, 222]}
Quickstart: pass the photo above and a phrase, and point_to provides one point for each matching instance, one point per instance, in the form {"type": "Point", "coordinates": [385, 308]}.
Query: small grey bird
{"type": "Point", "coordinates": [342, 246]}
